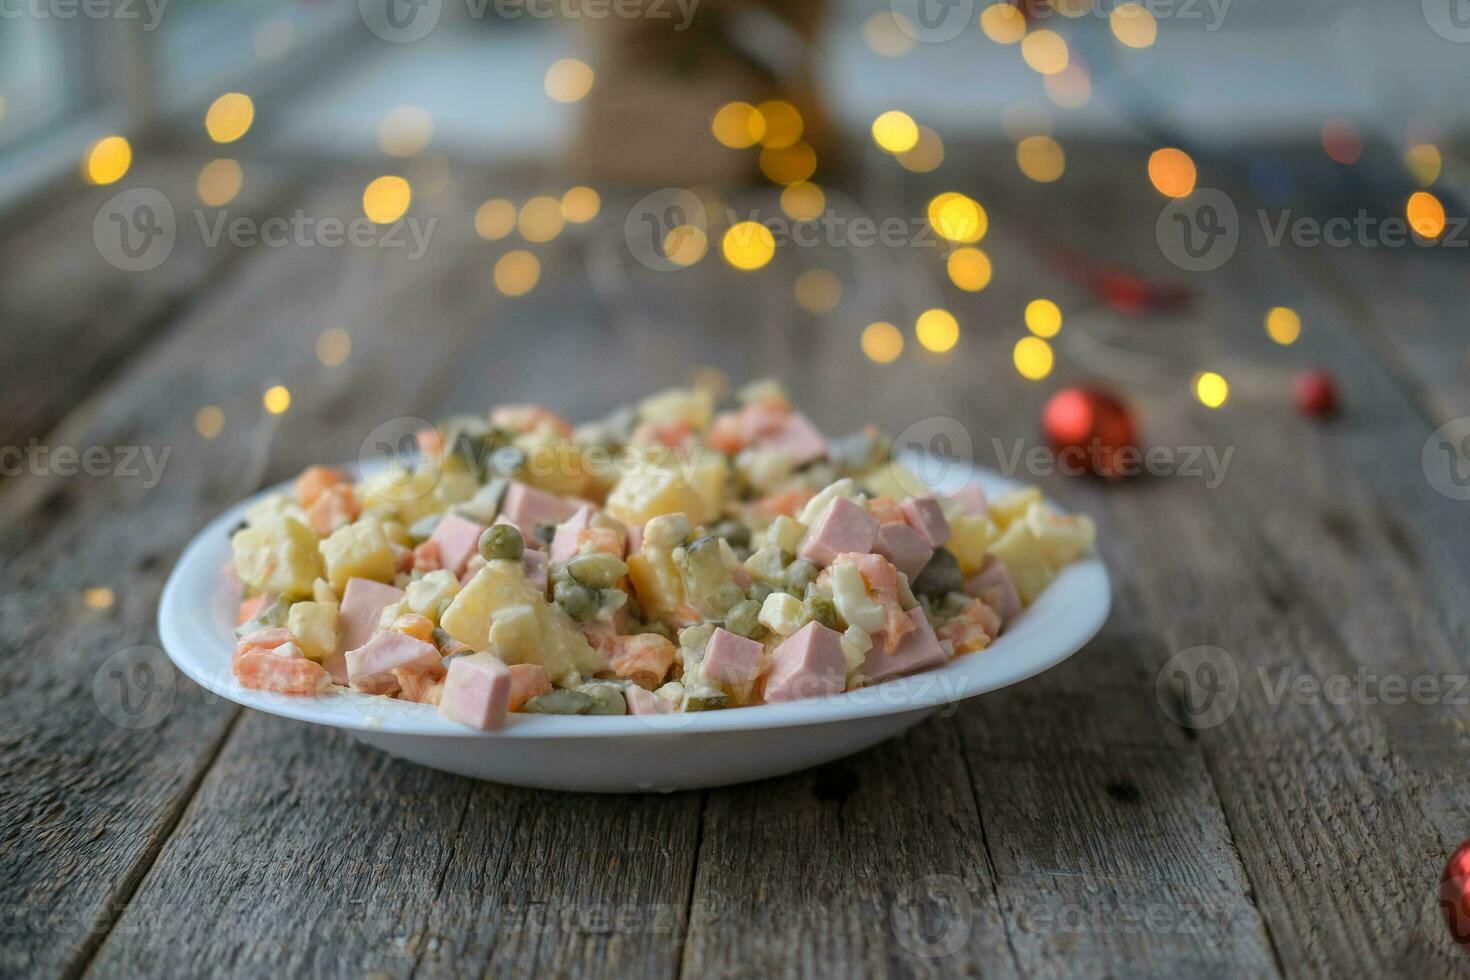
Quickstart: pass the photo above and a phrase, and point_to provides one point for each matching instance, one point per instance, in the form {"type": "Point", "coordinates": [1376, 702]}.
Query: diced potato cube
{"type": "Point", "coordinates": [554, 463]}
{"type": "Point", "coordinates": [765, 566]}
{"type": "Point", "coordinates": [895, 480]}
{"type": "Point", "coordinates": [1025, 559]}
{"type": "Point", "coordinates": [1064, 537]}
{"type": "Point", "coordinates": [781, 613]}
{"type": "Point", "coordinates": [707, 475]}
{"type": "Point", "coordinates": [514, 629]}
{"type": "Point", "coordinates": [277, 505]}
{"type": "Point", "coordinates": [785, 533]}
{"type": "Point", "coordinates": [410, 494]}
{"type": "Point", "coordinates": [1011, 506]}
{"type": "Point", "coordinates": [428, 595]}
{"type": "Point", "coordinates": [692, 405]}
{"type": "Point", "coordinates": [656, 580]}
{"type": "Point", "coordinates": [358, 550]}
{"type": "Point", "coordinates": [498, 585]}
{"type": "Point", "coordinates": [315, 627]}
{"type": "Point", "coordinates": [651, 492]}
{"type": "Point", "coordinates": [278, 555]}
{"type": "Point", "coordinates": [969, 538]}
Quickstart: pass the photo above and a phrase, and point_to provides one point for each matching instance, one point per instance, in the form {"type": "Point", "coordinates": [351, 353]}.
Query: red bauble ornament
{"type": "Point", "coordinates": [1089, 429]}
{"type": "Point", "coordinates": [1454, 894]}
{"type": "Point", "coordinates": [1315, 393]}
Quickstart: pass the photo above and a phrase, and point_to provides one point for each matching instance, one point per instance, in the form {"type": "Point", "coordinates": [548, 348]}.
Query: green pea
{"type": "Point", "coordinates": [799, 574]}
{"type": "Point", "coordinates": [559, 702]}
{"type": "Point", "coordinates": [696, 637]}
{"type": "Point", "coordinates": [502, 541]}
{"type": "Point", "coordinates": [819, 609]}
{"type": "Point", "coordinates": [941, 576]}
{"type": "Point", "coordinates": [758, 591]}
{"type": "Point", "coordinates": [607, 699]}
{"type": "Point", "coordinates": [742, 619]}
{"type": "Point", "coordinates": [597, 569]}
{"type": "Point", "coordinates": [579, 601]}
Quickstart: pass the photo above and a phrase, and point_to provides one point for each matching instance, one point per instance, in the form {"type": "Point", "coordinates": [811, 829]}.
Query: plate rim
{"type": "Point", "coordinates": [1068, 614]}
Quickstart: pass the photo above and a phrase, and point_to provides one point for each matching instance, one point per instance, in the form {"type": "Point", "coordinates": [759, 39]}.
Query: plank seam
{"type": "Point", "coordinates": [693, 878]}
{"type": "Point", "coordinates": [1005, 924]}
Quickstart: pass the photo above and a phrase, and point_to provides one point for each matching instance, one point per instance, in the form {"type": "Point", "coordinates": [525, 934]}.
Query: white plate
{"type": "Point", "coordinates": [633, 753]}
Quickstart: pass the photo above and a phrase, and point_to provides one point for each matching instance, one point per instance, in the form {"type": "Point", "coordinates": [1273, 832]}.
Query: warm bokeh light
{"type": "Point", "coordinates": [1070, 88]}
{"type": "Point", "coordinates": [517, 272]}
{"type": "Point", "coordinates": [229, 117]}
{"type": "Point", "coordinates": [937, 330]}
{"type": "Point", "coordinates": [818, 291]}
{"type": "Point", "coordinates": [969, 269]}
{"type": "Point", "coordinates": [889, 34]}
{"type": "Point", "coordinates": [569, 80]}
{"type": "Point", "coordinates": [882, 342]}
{"type": "Point", "coordinates": [685, 245]}
{"type": "Point", "coordinates": [783, 124]}
{"type": "Point", "coordinates": [219, 182]}
{"type": "Point", "coordinates": [332, 346]}
{"type": "Point", "coordinates": [1426, 214]}
{"type": "Point", "coordinates": [1211, 389]}
{"type": "Point", "coordinates": [1043, 318]}
{"type": "Point", "coordinates": [1424, 163]}
{"type": "Point", "coordinates": [958, 218]}
{"type": "Point", "coordinates": [1041, 159]}
{"type": "Point", "coordinates": [580, 205]}
{"type": "Point", "coordinates": [108, 160]}
{"type": "Point", "coordinates": [895, 131]}
{"type": "Point", "coordinates": [748, 245]}
{"type": "Point", "coordinates": [99, 597]}
{"type": "Point", "coordinates": [1003, 22]}
{"type": "Point", "coordinates": [405, 131]}
{"type": "Point", "coordinates": [276, 399]}
{"type": "Point", "coordinates": [1033, 358]}
{"type": "Point", "coordinates": [803, 201]}
{"type": "Point", "coordinates": [540, 219]}
{"type": "Point", "coordinates": [1283, 325]}
{"type": "Point", "coordinates": [790, 164]}
{"type": "Point", "coordinates": [386, 199]}
{"type": "Point", "coordinates": [1044, 51]}
{"type": "Point", "coordinates": [1172, 172]}
{"type": "Point", "coordinates": [738, 125]}
{"type": "Point", "coordinates": [926, 155]}
{"type": "Point", "coordinates": [495, 219]}
{"type": "Point", "coordinates": [1071, 8]}
{"type": "Point", "coordinates": [1341, 141]}
{"type": "Point", "coordinates": [209, 421]}
{"type": "Point", "coordinates": [1133, 25]}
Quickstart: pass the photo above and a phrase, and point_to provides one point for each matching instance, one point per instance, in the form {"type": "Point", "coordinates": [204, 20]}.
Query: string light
{"type": "Point", "coordinates": [788, 164]}
{"type": "Point", "coordinates": [1070, 88]}
{"type": "Point", "coordinates": [882, 342]}
{"type": "Point", "coordinates": [108, 160]}
{"type": "Point", "coordinates": [1133, 25]}
{"type": "Point", "coordinates": [333, 346]}
{"type": "Point", "coordinates": [1043, 318]}
{"type": "Point", "coordinates": [1283, 325]}
{"type": "Point", "coordinates": [738, 125]}
{"type": "Point", "coordinates": [803, 201]}
{"type": "Point", "coordinates": [1041, 159]}
{"type": "Point", "coordinates": [957, 218]}
{"type": "Point", "coordinates": [1341, 141]}
{"type": "Point", "coordinates": [517, 272]}
{"type": "Point", "coordinates": [925, 155]}
{"type": "Point", "coordinates": [219, 182]}
{"type": "Point", "coordinates": [1211, 389]}
{"type": "Point", "coordinates": [1033, 358]}
{"type": "Point", "coordinates": [386, 199]}
{"type": "Point", "coordinates": [1424, 163]}
{"type": "Point", "coordinates": [405, 131]}
{"type": "Point", "coordinates": [1044, 51]}
{"type": "Point", "coordinates": [1003, 22]}
{"type": "Point", "coordinates": [540, 219]}
{"type": "Point", "coordinates": [229, 117]}
{"type": "Point", "coordinates": [276, 399]}
{"type": "Point", "coordinates": [783, 124]}
{"type": "Point", "coordinates": [209, 421]}
{"type": "Point", "coordinates": [969, 269]}
{"type": "Point", "coordinates": [937, 330]}
{"type": "Point", "coordinates": [580, 205]}
{"type": "Point", "coordinates": [100, 597]}
{"type": "Point", "coordinates": [889, 34]}
{"type": "Point", "coordinates": [685, 245]}
{"type": "Point", "coordinates": [569, 80]}
{"type": "Point", "coordinates": [818, 291]}
{"type": "Point", "coordinates": [895, 131]}
{"type": "Point", "coordinates": [748, 245]}
{"type": "Point", "coordinates": [1172, 172]}
{"type": "Point", "coordinates": [1426, 214]}
{"type": "Point", "coordinates": [495, 219]}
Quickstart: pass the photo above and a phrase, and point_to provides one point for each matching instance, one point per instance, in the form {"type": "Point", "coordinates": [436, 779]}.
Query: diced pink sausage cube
{"type": "Point", "coordinates": [904, 547]}
{"type": "Point", "coordinates": [992, 585]}
{"type": "Point", "coordinates": [641, 702]}
{"type": "Point", "coordinates": [458, 539]}
{"type": "Point", "coordinates": [924, 515]}
{"type": "Point", "coordinates": [526, 507]}
{"type": "Point", "coordinates": [564, 543]}
{"type": "Point", "coordinates": [476, 691]}
{"type": "Point", "coordinates": [807, 664]}
{"type": "Point", "coordinates": [370, 667]}
{"type": "Point", "coordinates": [918, 650]}
{"type": "Point", "coordinates": [534, 561]}
{"type": "Point", "coordinates": [732, 660]}
{"type": "Point", "coordinates": [363, 602]}
{"type": "Point", "coordinates": [842, 526]}
{"type": "Point", "coordinates": [635, 537]}
{"type": "Point", "coordinates": [971, 500]}
{"type": "Point", "coordinates": [796, 437]}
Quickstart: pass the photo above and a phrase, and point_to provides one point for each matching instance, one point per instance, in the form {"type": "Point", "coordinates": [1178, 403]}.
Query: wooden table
{"type": "Point", "coordinates": [1065, 826]}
